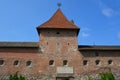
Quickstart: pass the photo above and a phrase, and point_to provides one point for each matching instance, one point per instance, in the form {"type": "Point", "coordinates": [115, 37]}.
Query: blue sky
{"type": "Point", "coordinates": [99, 20]}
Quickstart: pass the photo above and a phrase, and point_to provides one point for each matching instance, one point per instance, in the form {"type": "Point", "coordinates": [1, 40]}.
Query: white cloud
{"type": "Point", "coordinates": [85, 32]}
{"type": "Point", "coordinates": [107, 12]}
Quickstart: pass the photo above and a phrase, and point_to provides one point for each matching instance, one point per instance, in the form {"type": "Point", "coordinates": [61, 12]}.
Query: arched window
{"type": "Point", "coordinates": [110, 62]}
{"type": "Point", "coordinates": [28, 63]}
{"type": "Point", "coordinates": [85, 62]}
{"type": "Point", "coordinates": [65, 63]}
{"type": "Point", "coordinates": [16, 63]}
{"type": "Point", "coordinates": [1, 62]}
{"type": "Point", "coordinates": [51, 62]}
{"type": "Point", "coordinates": [97, 62]}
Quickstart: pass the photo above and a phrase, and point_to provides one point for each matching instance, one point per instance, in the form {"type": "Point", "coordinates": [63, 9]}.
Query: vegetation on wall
{"type": "Point", "coordinates": [16, 77]}
{"type": "Point", "coordinates": [103, 76]}
{"type": "Point", "coordinates": [107, 76]}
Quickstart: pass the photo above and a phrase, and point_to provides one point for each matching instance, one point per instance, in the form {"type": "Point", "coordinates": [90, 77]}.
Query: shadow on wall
{"type": "Point", "coordinates": [100, 53]}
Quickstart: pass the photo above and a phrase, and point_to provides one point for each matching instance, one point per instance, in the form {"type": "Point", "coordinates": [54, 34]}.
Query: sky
{"type": "Point", "coordinates": [99, 20]}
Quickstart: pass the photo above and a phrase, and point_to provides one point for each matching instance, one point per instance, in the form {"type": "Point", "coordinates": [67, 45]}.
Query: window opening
{"type": "Point", "coordinates": [51, 62]}
{"type": "Point", "coordinates": [1, 62]}
{"type": "Point", "coordinates": [16, 63]}
{"type": "Point", "coordinates": [57, 43]}
{"type": "Point", "coordinates": [68, 43]}
{"type": "Point", "coordinates": [57, 32]}
{"type": "Point", "coordinates": [65, 63]}
{"type": "Point", "coordinates": [97, 62]}
{"type": "Point", "coordinates": [85, 62]}
{"type": "Point", "coordinates": [28, 63]}
{"type": "Point", "coordinates": [47, 43]}
{"type": "Point", "coordinates": [110, 62]}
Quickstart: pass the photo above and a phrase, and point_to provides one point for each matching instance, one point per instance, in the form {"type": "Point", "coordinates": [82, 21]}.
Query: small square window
{"type": "Point", "coordinates": [51, 62]}
{"type": "Point", "coordinates": [47, 43]}
{"type": "Point", "coordinates": [28, 63]}
{"type": "Point", "coordinates": [110, 62]}
{"type": "Point", "coordinates": [65, 63]}
{"type": "Point", "coordinates": [57, 43]}
{"type": "Point", "coordinates": [85, 62]}
{"type": "Point", "coordinates": [57, 32]}
{"type": "Point", "coordinates": [1, 62]}
{"type": "Point", "coordinates": [16, 63]}
{"type": "Point", "coordinates": [97, 62]}
{"type": "Point", "coordinates": [68, 43]}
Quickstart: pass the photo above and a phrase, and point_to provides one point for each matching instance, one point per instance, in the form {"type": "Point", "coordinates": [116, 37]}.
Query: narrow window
{"type": "Point", "coordinates": [68, 43]}
{"type": "Point", "coordinates": [1, 62]}
{"type": "Point", "coordinates": [51, 62]}
{"type": "Point", "coordinates": [57, 32]}
{"type": "Point", "coordinates": [65, 63]}
{"type": "Point", "coordinates": [85, 62]}
{"type": "Point", "coordinates": [16, 63]}
{"type": "Point", "coordinates": [47, 43]}
{"type": "Point", "coordinates": [110, 62]}
{"type": "Point", "coordinates": [57, 43]}
{"type": "Point", "coordinates": [28, 63]}
{"type": "Point", "coordinates": [97, 62]}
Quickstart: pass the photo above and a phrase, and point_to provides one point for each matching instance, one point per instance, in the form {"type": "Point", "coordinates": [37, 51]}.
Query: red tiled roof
{"type": "Point", "coordinates": [58, 21]}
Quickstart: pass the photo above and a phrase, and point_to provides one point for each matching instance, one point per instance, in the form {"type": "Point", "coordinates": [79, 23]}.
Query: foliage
{"type": "Point", "coordinates": [16, 77]}
{"type": "Point", "coordinates": [107, 76]}
{"type": "Point", "coordinates": [89, 78]}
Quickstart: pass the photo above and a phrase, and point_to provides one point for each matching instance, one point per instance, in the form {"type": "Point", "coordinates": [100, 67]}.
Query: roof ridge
{"type": "Point", "coordinates": [58, 20]}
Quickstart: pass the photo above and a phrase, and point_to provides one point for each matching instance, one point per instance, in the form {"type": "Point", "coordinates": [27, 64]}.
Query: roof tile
{"type": "Point", "coordinates": [58, 20]}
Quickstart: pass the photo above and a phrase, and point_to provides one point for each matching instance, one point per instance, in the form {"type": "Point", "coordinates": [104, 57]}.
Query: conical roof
{"type": "Point", "coordinates": [58, 21]}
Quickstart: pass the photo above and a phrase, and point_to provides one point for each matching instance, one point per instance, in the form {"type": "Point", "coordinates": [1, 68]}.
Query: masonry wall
{"type": "Point", "coordinates": [40, 61]}
{"type": "Point", "coordinates": [100, 58]}
{"type": "Point", "coordinates": [23, 60]}
{"type": "Point", "coordinates": [57, 49]}
{"type": "Point", "coordinates": [59, 45]}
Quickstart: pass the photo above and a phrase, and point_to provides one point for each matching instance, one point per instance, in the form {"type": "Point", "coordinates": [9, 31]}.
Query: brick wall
{"type": "Point", "coordinates": [58, 48]}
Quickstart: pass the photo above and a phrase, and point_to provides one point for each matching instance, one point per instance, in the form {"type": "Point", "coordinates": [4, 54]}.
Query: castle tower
{"type": "Point", "coordinates": [58, 34]}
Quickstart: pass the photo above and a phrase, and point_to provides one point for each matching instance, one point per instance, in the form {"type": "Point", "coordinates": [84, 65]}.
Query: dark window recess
{"type": "Point", "coordinates": [110, 62]}
{"type": "Point", "coordinates": [16, 63]}
{"type": "Point", "coordinates": [57, 32]}
{"type": "Point", "coordinates": [85, 62]}
{"type": "Point", "coordinates": [97, 62]}
{"type": "Point", "coordinates": [68, 43]}
{"type": "Point", "coordinates": [96, 54]}
{"type": "Point", "coordinates": [65, 63]}
{"type": "Point", "coordinates": [28, 63]}
{"type": "Point", "coordinates": [47, 43]}
{"type": "Point", "coordinates": [1, 62]}
{"type": "Point", "coordinates": [57, 43]}
{"type": "Point", "coordinates": [51, 62]}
